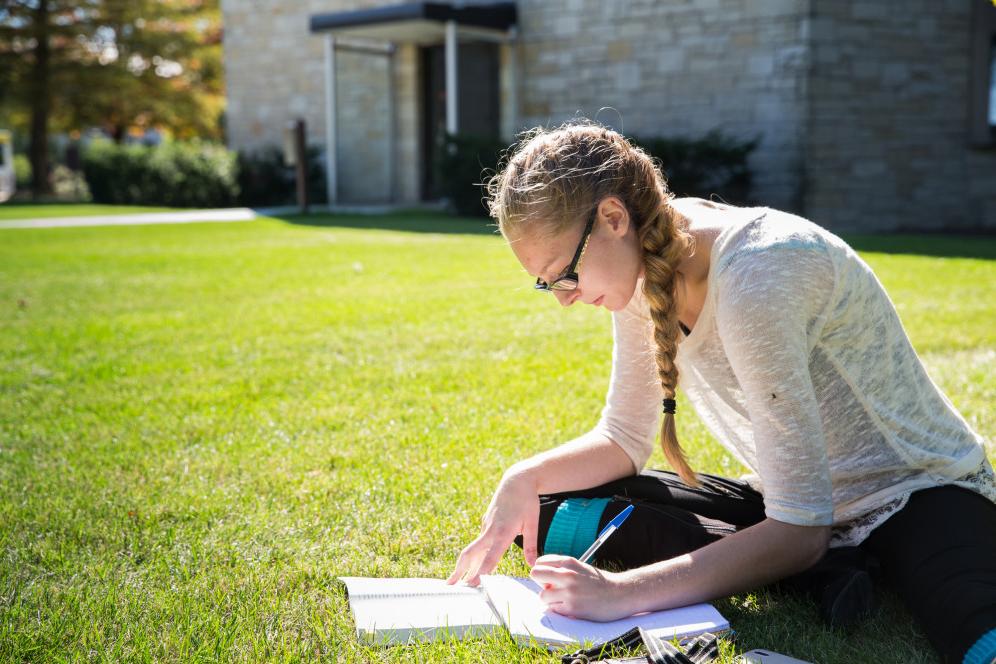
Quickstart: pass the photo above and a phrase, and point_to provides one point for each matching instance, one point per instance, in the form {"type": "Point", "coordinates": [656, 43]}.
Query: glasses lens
{"type": "Point", "coordinates": [565, 284]}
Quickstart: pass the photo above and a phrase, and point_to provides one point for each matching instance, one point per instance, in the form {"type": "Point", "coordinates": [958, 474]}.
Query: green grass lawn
{"type": "Point", "coordinates": [203, 425]}
{"type": "Point", "coordinates": [45, 210]}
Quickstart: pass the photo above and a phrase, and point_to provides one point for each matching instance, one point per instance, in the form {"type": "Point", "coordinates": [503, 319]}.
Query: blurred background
{"type": "Point", "coordinates": [202, 425]}
{"type": "Point", "coordinates": [874, 116]}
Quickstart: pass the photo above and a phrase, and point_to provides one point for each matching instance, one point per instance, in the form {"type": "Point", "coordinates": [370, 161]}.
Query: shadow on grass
{"type": "Point", "coordinates": [423, 221]}
{"type": "Point", "coordinates": [789, 622]}
{"type": "Point", "coordinates": [947, 245]}
{"type": "Point", "coordinates": [409, 221]}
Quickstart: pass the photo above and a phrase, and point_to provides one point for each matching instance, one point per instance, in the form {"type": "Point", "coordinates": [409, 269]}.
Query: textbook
{"type": "Point", "coordinates": [398, 611]}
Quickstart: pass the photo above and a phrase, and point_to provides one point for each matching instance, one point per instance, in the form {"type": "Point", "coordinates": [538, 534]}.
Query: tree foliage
{"type": "Point", "coordinates": [122, 65]}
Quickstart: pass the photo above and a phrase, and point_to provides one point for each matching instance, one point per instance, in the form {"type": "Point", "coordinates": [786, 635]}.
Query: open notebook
{"type": "Point", "coordinates": [393, 611]}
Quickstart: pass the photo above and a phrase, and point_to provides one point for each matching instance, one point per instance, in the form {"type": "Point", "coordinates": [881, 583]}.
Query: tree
{"type": "Point", "coordinates": [117, 64]}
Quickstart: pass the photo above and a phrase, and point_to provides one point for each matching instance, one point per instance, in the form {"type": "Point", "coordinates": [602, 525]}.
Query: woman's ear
{"type": "Point", "coordinates": [615, 214]}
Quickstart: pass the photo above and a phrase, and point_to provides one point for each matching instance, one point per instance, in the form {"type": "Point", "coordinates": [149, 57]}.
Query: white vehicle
{"type": "Point", "coordinates": [8, 181]}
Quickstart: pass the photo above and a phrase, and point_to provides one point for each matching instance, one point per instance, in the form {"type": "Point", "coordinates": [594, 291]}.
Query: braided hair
{"type": "Point", "coordinates": [551, 179]}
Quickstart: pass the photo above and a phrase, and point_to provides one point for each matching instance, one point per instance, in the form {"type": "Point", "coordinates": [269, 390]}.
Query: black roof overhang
{"type": "Point", "coordinates": [494, 16]}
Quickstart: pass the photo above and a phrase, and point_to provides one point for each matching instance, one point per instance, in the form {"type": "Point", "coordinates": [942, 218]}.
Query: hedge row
{"type": "Point", "coordinates": [171, 174]}
{"type": "Point", "coordinates": [265, 180]}
{"type": "Point", "coordinates": [208, 175]}
{"type": "Point", "coordinates": [714, 164]}
{"type": "Point", "coordinates": [194, 175]}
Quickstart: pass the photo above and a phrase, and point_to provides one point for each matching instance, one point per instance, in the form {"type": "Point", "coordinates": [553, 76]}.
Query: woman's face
{"type": "Point", "coordinates": [608, 269]}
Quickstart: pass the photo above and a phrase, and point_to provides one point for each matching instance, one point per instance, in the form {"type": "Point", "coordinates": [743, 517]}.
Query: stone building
{"type": "Point", "coordinates": [872, 114]}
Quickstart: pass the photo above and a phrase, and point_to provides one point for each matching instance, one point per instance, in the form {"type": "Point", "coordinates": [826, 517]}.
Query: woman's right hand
{"type": "Point", "coordinates": [514, 509]}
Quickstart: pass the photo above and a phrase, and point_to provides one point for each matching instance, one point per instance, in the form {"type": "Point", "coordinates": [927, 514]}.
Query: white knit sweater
{"type": "Point", "coordinates": [800, 367]}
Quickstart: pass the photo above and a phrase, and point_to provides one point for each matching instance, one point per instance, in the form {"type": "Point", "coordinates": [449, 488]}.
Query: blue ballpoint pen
{"type": "Point", "coordinates": [604, 535]}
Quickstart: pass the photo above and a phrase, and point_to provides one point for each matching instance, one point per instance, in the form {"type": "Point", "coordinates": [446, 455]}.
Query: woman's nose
{"type": "Point", "coordinates": [566, 298]}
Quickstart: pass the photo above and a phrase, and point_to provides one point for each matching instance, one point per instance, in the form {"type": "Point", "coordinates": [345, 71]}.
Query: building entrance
{"type": "Point", "coordinates": [477, 85]}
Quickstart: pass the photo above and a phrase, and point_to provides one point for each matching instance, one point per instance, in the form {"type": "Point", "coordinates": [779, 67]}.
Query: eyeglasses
{"type": "Point", "coordinates": [568, 281]}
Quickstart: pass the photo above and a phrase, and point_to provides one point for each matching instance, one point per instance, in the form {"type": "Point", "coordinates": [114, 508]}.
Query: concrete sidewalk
{"type": "Point", "coordinates": [219, 215]}
{"type": "Point", "coordinates": [186, 217]}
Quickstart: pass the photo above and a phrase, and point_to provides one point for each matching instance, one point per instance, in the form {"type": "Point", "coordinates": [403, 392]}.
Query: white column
{"type": "Point", "coordinates": [331, 139]}
{"type": "Point", "coordinates": [392, 142]}
{"type": "Point", "coordinates": [451, 77]}
{"type": "Point", "coordinates": [513, 81]}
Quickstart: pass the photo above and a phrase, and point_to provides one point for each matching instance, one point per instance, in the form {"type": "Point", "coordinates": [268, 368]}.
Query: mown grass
{"type": "Point", "coordinates": [202, 426]}
{"type": "Point", "coordinates": [10, 211]}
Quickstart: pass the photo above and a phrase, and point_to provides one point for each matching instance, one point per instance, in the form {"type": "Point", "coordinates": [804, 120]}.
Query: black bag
{"type": "Point", "coordinates": [669, 517]}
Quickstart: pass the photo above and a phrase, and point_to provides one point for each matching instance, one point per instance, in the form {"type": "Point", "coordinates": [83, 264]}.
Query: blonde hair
{"type": "Point", "coordinates": [555, 178]}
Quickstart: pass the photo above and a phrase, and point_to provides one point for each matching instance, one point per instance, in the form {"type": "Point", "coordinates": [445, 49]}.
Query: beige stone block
{"type": "Point", "coordinates": [534, 107]}
{"type": "Point", "coordinates": [761, 64]}
{"type": "Point", "coordinates": [743, 39]}
{"type": "Point", "coordinates": [619, 50]}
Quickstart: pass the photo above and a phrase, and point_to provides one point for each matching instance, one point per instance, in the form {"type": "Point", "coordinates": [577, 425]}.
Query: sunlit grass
{"type": "Point", "coordinates": [39, 211]}
{"type": "Point", "coordinates": [201, 426]}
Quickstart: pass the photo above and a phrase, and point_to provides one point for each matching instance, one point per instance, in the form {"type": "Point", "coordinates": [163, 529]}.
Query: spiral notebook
{"type": "Point", "coordinates": [398, 611]}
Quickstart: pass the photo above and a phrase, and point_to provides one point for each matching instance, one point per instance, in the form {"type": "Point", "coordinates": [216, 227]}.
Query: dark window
{"type": "Point", "coordinates": [477, 109]}
{"type": "Point", "coordinates": [982, 117]}
{"type": "Point", "coordinates": [992, 83]}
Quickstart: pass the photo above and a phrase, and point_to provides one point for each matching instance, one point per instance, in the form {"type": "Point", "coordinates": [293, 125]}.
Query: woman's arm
{"type": "Point", "coordinates": [616, 447]}
{"type": "Point", "coordinates": [587, 461]}
{"type": "Point", "coordinates": [751, 558]}
{"type": "Point", "coordinates": [746, 560]}
{"type": "Point", "coordinates": [583, 462]}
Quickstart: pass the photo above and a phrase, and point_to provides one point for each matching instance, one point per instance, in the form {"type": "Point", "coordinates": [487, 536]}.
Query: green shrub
{"type": "Point", "coordinates": [69, 185]}
{"type": "Point", "coordinates": [264, 180]}
{"type": "Point", "coordinates": [172, 174]}
{"type": "Point", "coordinates": [712, 164]}
{"type": "Point", "coordinates": [460, 162]}
{"type": "Point", "coordinates": [22, 171]}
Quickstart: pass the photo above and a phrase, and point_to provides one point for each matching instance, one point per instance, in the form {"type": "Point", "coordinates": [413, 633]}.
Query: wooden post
{"type": "Point", "coordinates": [331, 140]}
{"type": "Point", "coordinates": [301, 165]}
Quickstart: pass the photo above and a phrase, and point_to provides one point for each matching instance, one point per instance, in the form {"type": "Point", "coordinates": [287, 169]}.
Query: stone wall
{"type": "Point", "coordinates": [676, 68]}
{"type": "Point", "coordinates": [363, 127]}
{"type": "Point", "coordinates": [888, 139]}
{"type": "Point", "coordinates": [861, 109]}
{"type": "Point", "coordinates": [668, 68]}
{"type": "Point", "coordinates": [408, 150]}
{"type": "Point", "coordinates": [274, 72]}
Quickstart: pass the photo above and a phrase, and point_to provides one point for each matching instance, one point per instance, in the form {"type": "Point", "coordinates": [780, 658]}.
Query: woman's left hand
{"type": "Point", "coordinates": [578, 590]}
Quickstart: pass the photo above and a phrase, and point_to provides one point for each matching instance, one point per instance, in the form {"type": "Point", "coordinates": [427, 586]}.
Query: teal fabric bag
{"type": "Point", "coordinates": [574, 526]}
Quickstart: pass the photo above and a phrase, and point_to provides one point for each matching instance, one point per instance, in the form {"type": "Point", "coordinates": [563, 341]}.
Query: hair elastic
{"type": "Point", "coordinates": [669, 406]}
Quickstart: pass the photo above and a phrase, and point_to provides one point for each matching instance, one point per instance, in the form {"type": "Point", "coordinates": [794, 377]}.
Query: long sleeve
{"type": "Point", "coordinates": [800, 367]}
{"type": "Point", "coordinates": [631, 413]}
{"type": "Point", "coordinates": [769, 308]}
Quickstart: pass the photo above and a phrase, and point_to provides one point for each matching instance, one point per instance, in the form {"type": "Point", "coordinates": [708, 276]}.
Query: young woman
{"type": "Point", "coordinates": [790, 351]}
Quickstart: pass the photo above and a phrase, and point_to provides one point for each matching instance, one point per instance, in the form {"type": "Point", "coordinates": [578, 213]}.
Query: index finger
{"type": "Point", "coordinates": [463, 562]}
{"type": "Point", "coordinates": [554, 560]}
{"type": "Point", "coordinates": [549, 577]}
{"type": "Point", "coordinates": [488, 563]}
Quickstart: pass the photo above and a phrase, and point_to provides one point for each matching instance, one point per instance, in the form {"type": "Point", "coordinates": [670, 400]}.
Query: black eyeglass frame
{"type": "Point", "coordinates": [571, 274]}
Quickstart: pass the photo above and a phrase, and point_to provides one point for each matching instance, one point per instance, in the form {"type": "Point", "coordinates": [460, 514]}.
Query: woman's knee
{"type": "Point", "coordinates": [939, 555]}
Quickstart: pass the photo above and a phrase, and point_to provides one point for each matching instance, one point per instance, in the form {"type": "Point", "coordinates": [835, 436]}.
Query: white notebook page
{"type": "Point", "coordinates": [403, 610]}
{"type": "Point", "coordinates": [518, 604]}
{"type": "Point", "coordinates": [359, 586]}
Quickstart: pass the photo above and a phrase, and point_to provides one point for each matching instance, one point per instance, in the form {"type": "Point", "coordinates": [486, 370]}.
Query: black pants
{"type": "Point", "coordinates": [938, 553]}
